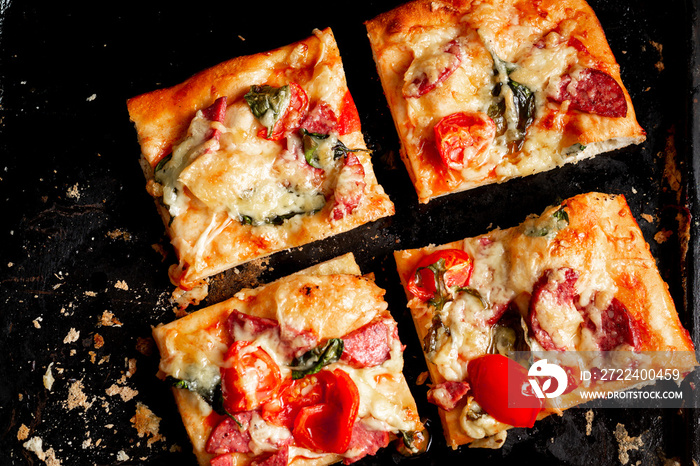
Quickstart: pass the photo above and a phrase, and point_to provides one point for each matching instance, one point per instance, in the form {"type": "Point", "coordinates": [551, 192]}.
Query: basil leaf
{"type": "Point", "coordinates": [315, 359]}
{"type": "Point", "coordinates": [268, 104]}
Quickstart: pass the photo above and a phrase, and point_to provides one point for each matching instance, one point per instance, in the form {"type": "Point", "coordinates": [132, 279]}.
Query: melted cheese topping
{"type": "Point", "coordinates": [198, 353]}
{"type": "Point", "coordinates": [507, 263]}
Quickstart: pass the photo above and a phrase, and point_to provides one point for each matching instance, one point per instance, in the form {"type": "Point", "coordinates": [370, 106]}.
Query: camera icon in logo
{"type": "Point", "coordinates": [546, 372]}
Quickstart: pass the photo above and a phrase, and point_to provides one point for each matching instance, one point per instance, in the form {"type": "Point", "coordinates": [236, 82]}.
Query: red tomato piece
{"type": "Point", "coordinates": [461, 137]}
{"type": "Point", "coordinates": [249, 378]}
{"type": "Point", "coordinates": [349, 120]}
{"type": "Point", "coordinates": [501, 387]}
{"type": "Point", "coordinates": [295, 395]}
{"type": "Point", "coordinates": [294, 114]}
{"type": "Point", "coordinates": [328, 426]}
{"type": "Point", "coordinates": [458, 271]}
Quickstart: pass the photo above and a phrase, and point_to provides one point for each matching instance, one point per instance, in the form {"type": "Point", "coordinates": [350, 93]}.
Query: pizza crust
{"type": "Point", "coordinates": [301, 301]}
{"type": "Point", "coordinates": [568, 36]}
{"type": "Point", "coordinates": [207, 240]}
{"type": "Point", "coordinates": [604, 244]}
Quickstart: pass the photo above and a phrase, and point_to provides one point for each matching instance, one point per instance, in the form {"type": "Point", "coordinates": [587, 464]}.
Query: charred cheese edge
{"type": "Point", "coordinates": [491, 32]}
{"type": "Point", "coordinates": [601, 241]}
{"type": "Point", "coordinates": [196, 343]}
{"type": "Point", "coordinates": [201, 202]}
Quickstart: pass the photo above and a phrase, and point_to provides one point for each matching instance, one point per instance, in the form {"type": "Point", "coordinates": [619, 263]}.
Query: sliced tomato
{"type": "Point", "coordinates": [291, 119]}
{"type": "Point", "coordinates": [295, 395]}
{"type": "Point", "coordinates": [249, 377]}
{"type": "Point", "coordinates": [458, 268]}
{"type": "Point", "coordinates": [328, 426]}
{"type": "Point", "coordinates": [501, 387]}
{"type": "Point", "coordinates": [461, 137]}
{"type": "Point", "coordinates": [349, 120]}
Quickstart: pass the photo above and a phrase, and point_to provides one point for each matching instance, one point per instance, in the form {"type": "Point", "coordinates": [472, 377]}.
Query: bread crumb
{"type": "Point", "coordinates": [146, 424]}
{"type": "Point", "coordinates": [126, 393]}
{"type": "Point", "coordinates": [122, 456]}
{"type": "Point", "coordinates": [108, 320]}
{"type": "Point", "coordinates": [589, 421]}
{"type": "Point", "coordinates": [35, 445]}
{"type": "Point", "coordinates": [37, 321]}
{"type": "Point", "coordinates": [73, 192]}
{"type": "Point", "coordinates": [625, 443]}
{"type": "Point", "coordinates": [119, 234]}
{"type": "Point", "coordinates": [76, 397]}
{"type": "Point", "coordinates": [99, 341]}
{"type": "Point", "coordinates": [92, 294]}
{"type": "Point", "coordinates": [48, 378]}
{"type": "Point", "coordinates": [662, 235]}
{"type": "Point", "coordinates": [22, 432]}
{"type": "Point", "coordinates": [648, 218]}
{"type": "Point", "coordinates": [72, 336]}
{"type": "Point", "coordinates": [121, 285]}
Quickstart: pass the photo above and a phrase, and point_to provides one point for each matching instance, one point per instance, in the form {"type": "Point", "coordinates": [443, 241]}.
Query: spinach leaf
{"type": "Point", "coordinates": [497, 112]}
{"type": "Point", "coordinates": [524, 101]}
{"type": "Point", "coordinates": [315, 359]}
{"type": "Point", "coordinates": [210, 395]}
{"type": "Point", "coordinates": [437, 327]}
{"type": "Point", "coordinates": [310, 142]}
{"type": "Point", "coordinates": [268, 104]}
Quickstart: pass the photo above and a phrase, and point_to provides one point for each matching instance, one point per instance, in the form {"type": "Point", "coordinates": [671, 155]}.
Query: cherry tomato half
{"type": "Point", "coordinates": [458, 271]}
{"type": "Point", "coordinates": [502, 389]}
{"type": "Point", "coordinates": [328, 426]}
{"type": "Point", "coordinates": [249, 377]}
{"type": "Point", "coordinates": [462, 136]}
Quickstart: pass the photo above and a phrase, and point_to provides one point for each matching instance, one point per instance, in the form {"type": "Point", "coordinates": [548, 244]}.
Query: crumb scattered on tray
{"type": "Point", "coordinates": [146, 424]}
{"type": "Point", "coordinates": [662, 235]}
{"type": "Point", "coordinates": [108, 320]}
{"type": "Point", "coordinates": [589, 421]}
{"type": "Point", "coordinates": [625, 443]}
{"type": "Point", "coordinates": [76, 396]}
{"type": "Point", "coordinates": [72, 336]}
{"type": "Point", "coordinates": [121, 285]}
{"type": "Point", "coordinates": [35, 445]}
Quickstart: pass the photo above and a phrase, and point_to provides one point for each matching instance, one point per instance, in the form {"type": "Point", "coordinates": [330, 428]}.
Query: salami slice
{"type": "Point", "coordinates": [321, 119]}
{"type": "Point", "coordinates": [617, 327]}
{"type": "Point", "coordinates": [446, 395]}
{"type": "Point", "coordinates": [229, 436]}
{"type": "Point", "coordinates": [591, 91]}
{"type": "Point", "coordinates": [553, 310]}
{"type": "Point", "coordinates": [429, 72]}
{"type": "Point", "coordinates": [365, 441]}
{"type": "Point", "coordinates": [246, 327]}
{"type": "Point", "coordinates": [367, 346]}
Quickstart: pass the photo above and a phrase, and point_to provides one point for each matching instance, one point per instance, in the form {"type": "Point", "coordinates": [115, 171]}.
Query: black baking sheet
{"type": "Point", "coordinates": [82, 278]}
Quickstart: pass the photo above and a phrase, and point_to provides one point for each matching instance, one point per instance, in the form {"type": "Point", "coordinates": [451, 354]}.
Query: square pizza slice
{"type": "Point", "coordinates": [577, 286]}
{"type": "Point", "coordinates": [482, 92]}
{"type": "Point", "coordinates": [306, 370]}
{"type": "Point", "coordinates": [256, 155]}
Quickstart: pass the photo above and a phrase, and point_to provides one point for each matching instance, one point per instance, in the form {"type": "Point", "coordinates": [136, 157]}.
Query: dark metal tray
{"type": "Point", "coordinates": [78, 225]}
